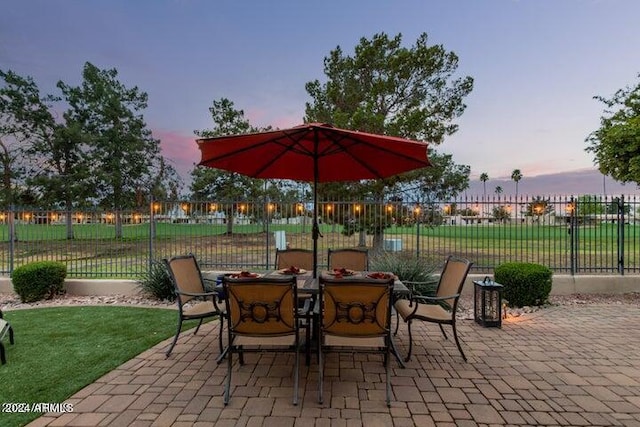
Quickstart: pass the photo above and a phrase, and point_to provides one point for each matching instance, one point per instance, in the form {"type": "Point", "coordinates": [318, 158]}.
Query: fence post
{"type": "Point", "coordinates": [620, 221]}
{"type": "Point", "coordinates": [152, 231]}
{"type": "Point", "coordinates": [573, 238]}
{"type": "Point", "coordinates": [12, 237]}
{"type": "Point", "coordinates": [267, 219]}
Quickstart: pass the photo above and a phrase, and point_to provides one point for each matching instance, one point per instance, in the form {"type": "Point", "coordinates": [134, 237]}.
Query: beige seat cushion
{"type": "Point", "coordinates": [337, 341]}
{"type": "Point", "coordinates": [200, 308]}
{"type": "Point", "coordinates": [425, 311]}
{"type": "Point", "coordinates": [285, 341]}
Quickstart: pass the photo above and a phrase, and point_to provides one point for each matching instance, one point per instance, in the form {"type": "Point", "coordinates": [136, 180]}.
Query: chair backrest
{"type": "Point", "coordinates": [261, 307]}
{"type": "Point", "coordinates": [452, 279]}
{"type": "Point", "coordinates": [301, 258]}
{"type": "Point", "coordinates": [353, 259]}
{"type": "Point", "coordinates": [356, 307]}
{"type": "Point", "coordinates": [185, 275]}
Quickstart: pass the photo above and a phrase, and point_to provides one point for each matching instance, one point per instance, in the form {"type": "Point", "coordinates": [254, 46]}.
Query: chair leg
{"type": "Point", "coordinates": [307, 343]}
{"type": "Point", "coordinates": [320, 371]}
{"type": "Point", "coordinates": [388, 375]}
{"type": "Point", "coordinates": [397, 322]}
{"type": "Point", "coordinates": [406, 359]}
{"type": "Point", "coordinates": [296, 373]}
{"type": "Point", "coordinates": [198, 327]}
{"type": "Point", "coordinates": [443, 332]}
{"type": "Point", "coordinates": [175, 339]}
{"type": "Point", "coordinates": [220, 334]}
{"type": "Point", "coordinates": [455, 336]}
{"type": "Point", "coordinates": [227, 384]}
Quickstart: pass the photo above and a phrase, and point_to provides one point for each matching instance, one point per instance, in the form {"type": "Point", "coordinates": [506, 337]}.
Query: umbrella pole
{"type": "Point", "coordinates": [315, 230]}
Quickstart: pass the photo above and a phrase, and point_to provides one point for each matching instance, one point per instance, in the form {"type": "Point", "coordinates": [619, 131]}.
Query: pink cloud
{"type": "Point", "coordinates": [180, 149]}
{"type": "Point", "coordinates": [263, 117]}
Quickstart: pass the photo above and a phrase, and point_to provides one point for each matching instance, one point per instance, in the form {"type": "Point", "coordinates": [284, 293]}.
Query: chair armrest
{"type": "Point", "coordinates": [441, 300]}
{"type": "Point", "coordinates": [413, 284]}
{"type": "Point", "coordinates": [198, 294]}
{"type": "Point", "coordinates": [423, 298]}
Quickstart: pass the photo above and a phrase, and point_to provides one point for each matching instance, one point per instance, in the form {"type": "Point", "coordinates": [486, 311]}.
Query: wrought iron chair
{"type": "Point", "coordinates": [355, 315]}
{"type": "Point", "coordinates": [5, 328]}
{"type": "Point", "coordinates": [352, 258]}
{"type": "Point", "coordinates": [263, 316]}
{"type": "Point", "coordinates": [194, 301]}
{"type": "Point", "coordinates": [440, 308]}
{"type": "Point", "coordinates": [301, 258]}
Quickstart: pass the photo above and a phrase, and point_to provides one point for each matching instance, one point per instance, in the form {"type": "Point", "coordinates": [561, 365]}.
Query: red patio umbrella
{"type": "Point", "coordinates": [313, 152]}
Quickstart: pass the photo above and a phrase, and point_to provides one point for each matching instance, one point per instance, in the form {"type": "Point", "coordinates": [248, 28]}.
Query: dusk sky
{"type": "Point", "coordinates": [537, 64]}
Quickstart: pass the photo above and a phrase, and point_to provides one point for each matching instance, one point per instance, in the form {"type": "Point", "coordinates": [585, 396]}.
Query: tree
{"type": "Point", "coordinates": [24, 119]}
{"type": "Point", "coordinates": [590, 205]}
{"type": "Point", "coordinates": [64, 172]}
{"type": "Point", "coordinates": [538, 207]}
{"type": "Point", "coordinates": [498, 190]}
{"type": "Point", "coordinates": [616, 144]}
{"type": "Point", "coordinates": [390, 89]}
{"type": "Point", "coordinates": [501, 214]}
{"type": "Point", "coordinates": [218, 184]}
{"type": "Point", "coordinates": [121, 149]}
{"type": "Point", "coordinates": [516, 176]}
{"type": "Point", "coordinates": [484, 178]}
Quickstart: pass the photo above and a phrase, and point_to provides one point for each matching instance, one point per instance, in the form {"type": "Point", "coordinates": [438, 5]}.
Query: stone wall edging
{"type": "Point", "coordinates": [562, 285]}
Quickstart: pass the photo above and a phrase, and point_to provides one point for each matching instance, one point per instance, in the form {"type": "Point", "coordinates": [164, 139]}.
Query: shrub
{"type": "Point", "coordinates": [39, 280]}
{"type": "Point", "coordinates": [157, 282]}
{"type": "Point", "coordinates": [408, 268]}
{"type": "Point", "coordinates": [525, 284]}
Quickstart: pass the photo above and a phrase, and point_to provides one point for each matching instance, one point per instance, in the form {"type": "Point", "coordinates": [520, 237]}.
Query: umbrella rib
{"type": "Point", "coordinates": [279, 140]}
{"type": "Point", "coordinates": [295, 147]}
{"type": "Point", "coordinates": [337, 140]}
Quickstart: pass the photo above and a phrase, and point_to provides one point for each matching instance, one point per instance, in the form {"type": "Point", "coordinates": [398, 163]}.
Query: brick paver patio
{"type": "Point", "coordinates": [562, 366]}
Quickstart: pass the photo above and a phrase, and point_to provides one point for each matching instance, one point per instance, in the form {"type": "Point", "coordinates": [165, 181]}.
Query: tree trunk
{"type": "Point", "coordinates": [118, 224]}
{"type": "Point", "coordinates": [69, 219]}
{"type": "Point", "coordinates": [378, 242]}
{"type": "Point", "coordinates": [230, 223]}
{"type": "Point", "coordinates": [8, 196]}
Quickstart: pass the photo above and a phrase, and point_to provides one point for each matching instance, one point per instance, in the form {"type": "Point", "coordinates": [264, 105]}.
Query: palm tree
{"type": "Point", "coordinates": [516, 176]}
{"type": "Point", "coordinates": [484, 178]}
{"type": "Point", "coordinates": [498, 190]}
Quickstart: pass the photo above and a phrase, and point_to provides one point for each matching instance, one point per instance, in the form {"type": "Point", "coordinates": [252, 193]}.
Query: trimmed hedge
{"type": "Point", "coordinates": [525, 284]}
{"type": "Point", "coordinates": [39, 280]}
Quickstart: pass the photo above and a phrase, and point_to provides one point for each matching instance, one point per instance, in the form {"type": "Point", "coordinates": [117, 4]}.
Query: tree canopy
{"type": "Point", "coordinates": [616, 144]}
{"type": "Point", "coordinates": [87, 145]}
{"type": "Point", "coordinates": [25, 119]}
{"type": "Point", "coordinates": [387, 88]}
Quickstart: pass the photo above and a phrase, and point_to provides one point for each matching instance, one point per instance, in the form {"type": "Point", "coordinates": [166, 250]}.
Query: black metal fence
{"type": "Point", "coordinates": [570, 235]}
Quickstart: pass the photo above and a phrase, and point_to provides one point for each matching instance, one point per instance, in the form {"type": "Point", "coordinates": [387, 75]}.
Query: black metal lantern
{"type": "Point", "coordinates": [487, 307]}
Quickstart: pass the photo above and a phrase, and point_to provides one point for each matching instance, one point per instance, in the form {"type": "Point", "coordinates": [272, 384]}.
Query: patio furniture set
{"type": "Point", "coordinates": [344, 309]}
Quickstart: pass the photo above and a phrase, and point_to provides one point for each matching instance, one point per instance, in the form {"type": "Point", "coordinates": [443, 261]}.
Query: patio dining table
{"type": "Point", "coordinates": [309, 285]}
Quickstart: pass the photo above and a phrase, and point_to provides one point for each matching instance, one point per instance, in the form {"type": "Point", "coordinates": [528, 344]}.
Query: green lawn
{"type": "Point", "coordinates": [34, 232]}
{"type": "Point", "coordinates": [60, 350]}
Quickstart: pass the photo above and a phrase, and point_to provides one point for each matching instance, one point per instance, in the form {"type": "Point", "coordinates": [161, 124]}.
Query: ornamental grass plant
{"type": "Point", "coordinates": [409, 268]}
